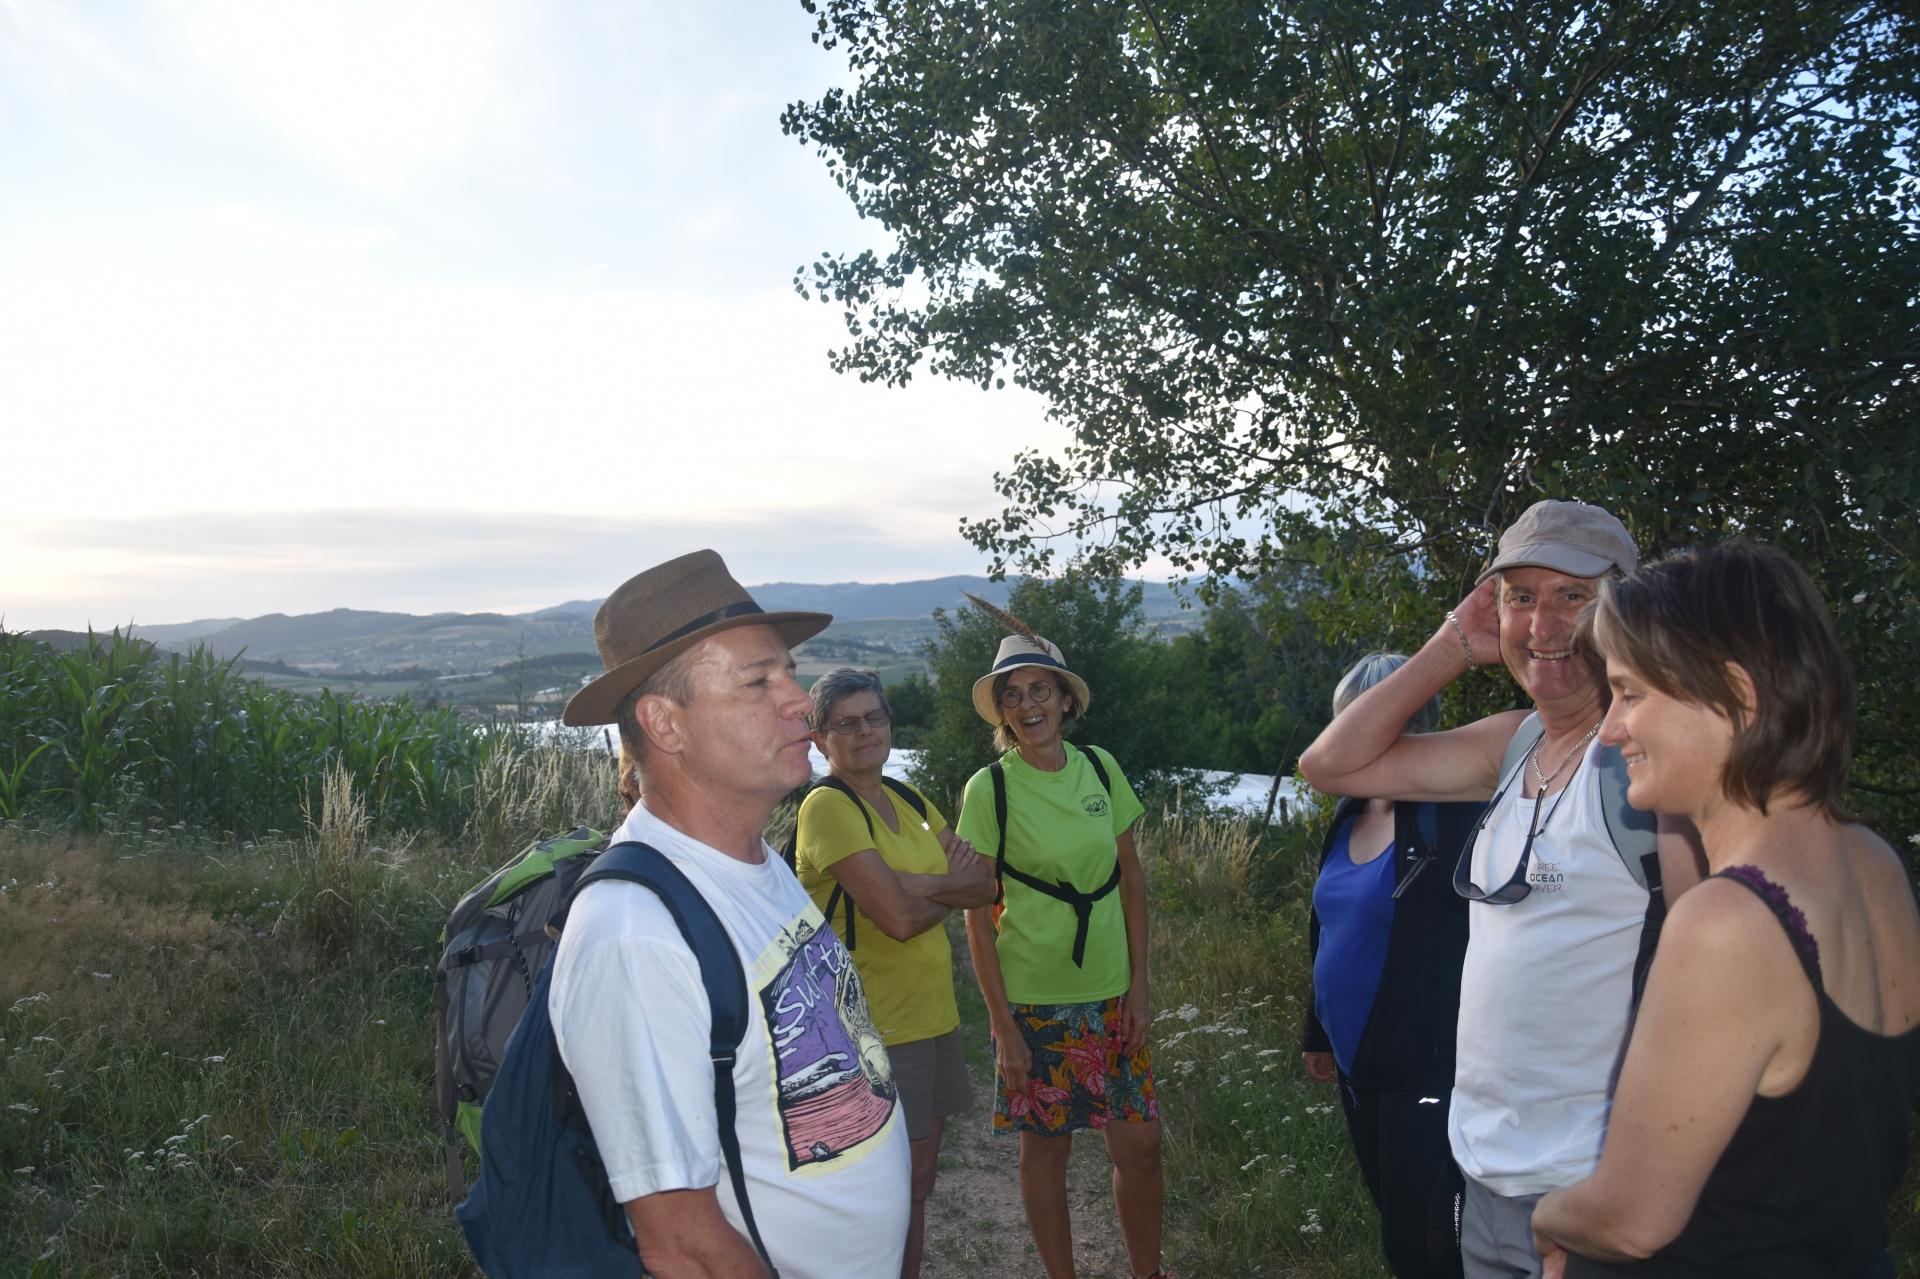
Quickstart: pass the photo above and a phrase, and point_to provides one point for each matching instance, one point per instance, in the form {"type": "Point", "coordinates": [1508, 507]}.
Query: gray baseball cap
{"type": "Point", "coordinates": [1567, 537]}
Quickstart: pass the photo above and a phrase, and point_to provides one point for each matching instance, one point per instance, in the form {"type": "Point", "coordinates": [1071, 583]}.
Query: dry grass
{"type": "Point", "coordinates": [520, 793]}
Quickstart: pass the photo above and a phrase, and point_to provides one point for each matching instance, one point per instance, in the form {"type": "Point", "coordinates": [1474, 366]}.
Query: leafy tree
{"type": "Point", "coordinates": [912, 702]}
{"type": "Point", "coordinates": [1354, 281]}
{"type": "Point", "coordinates": [1264, 670]}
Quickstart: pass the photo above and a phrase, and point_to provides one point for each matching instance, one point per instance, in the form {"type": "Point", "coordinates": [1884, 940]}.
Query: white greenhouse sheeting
{"type": "Point", "coordinates": [1246, 793]}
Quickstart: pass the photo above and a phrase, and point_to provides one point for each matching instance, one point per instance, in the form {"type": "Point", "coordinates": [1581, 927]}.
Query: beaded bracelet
{"type": "Point", "coordinates": [1461, 631]}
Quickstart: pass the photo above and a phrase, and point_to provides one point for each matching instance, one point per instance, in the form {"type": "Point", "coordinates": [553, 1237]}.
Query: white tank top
{"type": "Point", "coordinates": [1544, 994]}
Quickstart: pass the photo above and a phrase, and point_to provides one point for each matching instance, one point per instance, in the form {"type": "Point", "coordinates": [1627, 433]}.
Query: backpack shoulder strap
{"type": "Point", "coordinates": [791, 853]}
{"type": "Point", "coordinates": [1426, 818]}
{"type": "Point", "coordinates": [720, 973]}
{"type": "Point", "coordinates": [839, 895]}
{"type": "Point", "coordinates": [915, 800]}
{"type": "Point", "coordinates": [1099, 769]}
{"type": "Point", "coordinates": [1530, 731]}
{"type": "Point", "coordinates": [1635, 834]}
{"type": "Point", "coordinates": [830, 782]}
{"type": "Point", "coordinates": [1632, 831]}
{"type": "Point", "coordinates": [998, 772]}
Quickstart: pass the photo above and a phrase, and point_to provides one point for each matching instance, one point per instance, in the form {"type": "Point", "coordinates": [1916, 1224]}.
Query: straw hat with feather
{"type": "Point", "coordinates": [1022, 648]}
{"type": "Point", "coordinates": [655, 616]}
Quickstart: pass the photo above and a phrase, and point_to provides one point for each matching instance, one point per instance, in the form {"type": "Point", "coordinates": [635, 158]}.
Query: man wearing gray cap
{"type": "Point", "coordinates": [1562, 872]}
{"type": "Point", "coordinates": [700, 682]}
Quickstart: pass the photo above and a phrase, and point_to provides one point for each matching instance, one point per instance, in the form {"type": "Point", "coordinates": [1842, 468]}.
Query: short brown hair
{"type": "Point", "coordinates": [1003, 737]}
{"type": "Point", "coordinates": [674, 681]}
{"type": "Point", "coordinates": [1678, 622]}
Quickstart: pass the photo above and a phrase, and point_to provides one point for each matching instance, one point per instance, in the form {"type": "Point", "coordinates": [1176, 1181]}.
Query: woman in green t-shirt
{"type": "Point", "coordinates": [885, 868]}
{"type": "Point", "coordinates": [1063, 967]}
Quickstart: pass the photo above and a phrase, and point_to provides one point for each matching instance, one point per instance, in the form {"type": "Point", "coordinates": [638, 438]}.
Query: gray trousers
{"type": "Point", "coordinates": [1496, 1235]}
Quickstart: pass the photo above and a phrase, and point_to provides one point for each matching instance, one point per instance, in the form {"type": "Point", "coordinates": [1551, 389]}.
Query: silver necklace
{"type": "Point", "coordinates": [1547, 779]}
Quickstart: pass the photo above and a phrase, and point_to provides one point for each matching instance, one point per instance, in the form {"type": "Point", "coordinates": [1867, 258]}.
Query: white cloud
{"type": "Point", "coordinates": [381, 91]}
{"type": "Point", "coordinates": [223, 383]}
{"type": "Point", "coordinates": [274, 260]}
{"type": "Point", "coordinates": [228, 564]}
{"type": "Point", "coordinates": [50, 27]}
{"type": "Point", "coordinates": [251, 228]}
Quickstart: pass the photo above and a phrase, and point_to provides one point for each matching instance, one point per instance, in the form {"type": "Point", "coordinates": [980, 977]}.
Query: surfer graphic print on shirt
{"type": "Point", "coordinates": [834, 1084]}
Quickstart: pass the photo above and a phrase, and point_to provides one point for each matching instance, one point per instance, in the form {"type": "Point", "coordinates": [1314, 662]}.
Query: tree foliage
{"type": "Point", "coordinates": [1243, 692]}
{"type": "Point", "coordinates": [1137, 711]}
{"type": "Point", "coordinates": [1354, 281]}
{"type": "Point", "coordinates": [1259, 674]}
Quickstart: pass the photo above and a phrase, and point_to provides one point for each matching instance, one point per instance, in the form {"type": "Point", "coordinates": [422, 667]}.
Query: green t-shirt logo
{"type": "Point", "coordinates": [1096, 805]}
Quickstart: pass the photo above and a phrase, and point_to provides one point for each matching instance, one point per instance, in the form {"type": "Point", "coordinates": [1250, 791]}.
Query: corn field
{"type": "Point", "coordinates": [116, 732]}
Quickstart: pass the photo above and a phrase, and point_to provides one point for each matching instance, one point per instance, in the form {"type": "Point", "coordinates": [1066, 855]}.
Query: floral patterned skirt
{"type": "Point", "coordinates": [1081, 1076]}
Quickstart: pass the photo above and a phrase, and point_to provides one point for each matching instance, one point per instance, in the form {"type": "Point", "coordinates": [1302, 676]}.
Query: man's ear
{"type": "Point", "coordinates": [659, 721]}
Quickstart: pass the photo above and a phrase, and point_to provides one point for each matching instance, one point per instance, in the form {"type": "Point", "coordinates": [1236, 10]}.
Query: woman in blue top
{"type": "Point", "coordinates": [1388, 936]}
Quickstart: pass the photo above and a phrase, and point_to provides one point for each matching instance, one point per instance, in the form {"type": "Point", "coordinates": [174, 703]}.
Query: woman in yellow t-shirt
{"type": "Point", "coordinates": [1063, 969]}
{"type": "Point", "coordinates": [885, 869]}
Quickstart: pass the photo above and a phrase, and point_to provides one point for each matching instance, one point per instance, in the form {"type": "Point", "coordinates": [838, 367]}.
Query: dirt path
{"type": "Point", "coordinates": [975, 1225]}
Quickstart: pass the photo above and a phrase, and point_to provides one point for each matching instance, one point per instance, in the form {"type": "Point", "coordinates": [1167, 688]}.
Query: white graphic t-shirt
{"type": "Point", "coordinates": [824, 1149]}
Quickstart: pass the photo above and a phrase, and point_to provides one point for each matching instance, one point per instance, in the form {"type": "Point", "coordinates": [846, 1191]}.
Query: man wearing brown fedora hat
{"type": "Point", "coordinates": [701, 684]}
{"type": "Point", "coordinates": [1572, 895]}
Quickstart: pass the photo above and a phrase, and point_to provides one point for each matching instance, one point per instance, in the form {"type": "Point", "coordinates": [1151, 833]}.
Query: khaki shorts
{"type": "Point", "coordinates": [931, 1075]}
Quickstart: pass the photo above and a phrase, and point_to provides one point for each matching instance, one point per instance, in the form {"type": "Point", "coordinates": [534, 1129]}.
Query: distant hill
{"type": "Point", "coordinates": [872, 621]}
{"type": "Point", "coordinates": [275, 633]}
{"type": "Point", "coordinates": [58, 641]}
{"type": "Point", "coordinates": [859, 601]}
{"type": "Point", "coordinates": [168, 633]}
{"type": "Point", "coordinates": [572, 608]}
{"type": "Point", "coordinates": [868, 601]}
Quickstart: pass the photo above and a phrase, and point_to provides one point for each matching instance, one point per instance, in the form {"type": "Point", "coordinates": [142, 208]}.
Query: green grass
{"type": "Point", "coordinates": [1260, 1177]}
{"type": "Point", "coordinates": [198, 1083]}
{"type": "Point", "coordinates": [216, 1056]}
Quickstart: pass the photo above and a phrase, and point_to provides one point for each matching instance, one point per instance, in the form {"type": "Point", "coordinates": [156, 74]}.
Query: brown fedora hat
{"type": "Point", "coordinates": [654, 616]}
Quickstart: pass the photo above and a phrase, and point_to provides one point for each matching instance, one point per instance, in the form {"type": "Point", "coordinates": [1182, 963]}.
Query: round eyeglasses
{"type": "Point", "coordinates": [847, 725]}
{"type": "Point", "coordinates": [1039, 693]}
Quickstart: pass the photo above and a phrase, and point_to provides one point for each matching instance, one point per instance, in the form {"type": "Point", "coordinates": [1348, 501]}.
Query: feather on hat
{"type": "Point", "coordinates": [1022, 648]}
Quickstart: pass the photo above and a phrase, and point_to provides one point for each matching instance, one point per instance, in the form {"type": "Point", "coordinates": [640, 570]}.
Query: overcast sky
{"type": "Point", "coordinates": [437, 305]}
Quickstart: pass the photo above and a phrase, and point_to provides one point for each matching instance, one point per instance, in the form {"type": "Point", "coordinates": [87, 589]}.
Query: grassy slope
{"type": "Point", "coordinates": [190, 1088]}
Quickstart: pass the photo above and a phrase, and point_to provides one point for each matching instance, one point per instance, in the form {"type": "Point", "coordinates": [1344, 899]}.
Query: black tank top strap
{"type": "Point", "coordinates": [1790, 916]}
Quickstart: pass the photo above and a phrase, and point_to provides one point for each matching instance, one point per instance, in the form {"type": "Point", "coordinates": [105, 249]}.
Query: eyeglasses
{"type": "Point", "coordinates": [1517, 887]}
{"type": "Point", "coordinates": [1039, 694]}
{"type": "Point", "coordinates": [847, 725]}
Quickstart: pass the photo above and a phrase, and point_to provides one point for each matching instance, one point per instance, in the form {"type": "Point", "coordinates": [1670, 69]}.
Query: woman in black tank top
{"type": "Point", "coordinates": [1760, 1117]}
